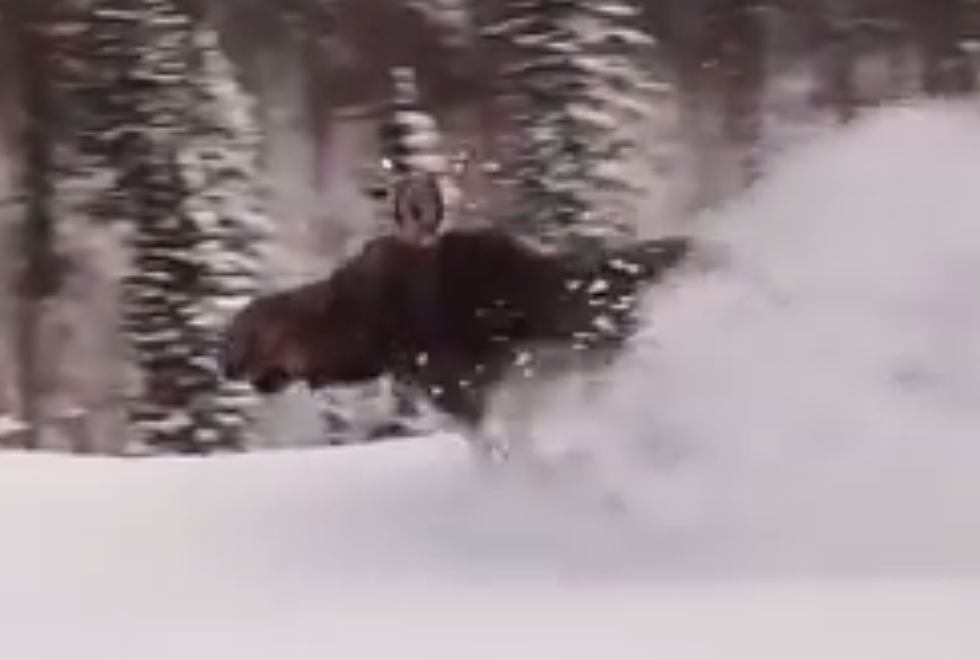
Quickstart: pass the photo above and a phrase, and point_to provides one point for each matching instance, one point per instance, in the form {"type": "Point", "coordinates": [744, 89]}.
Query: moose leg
{"type": "Point", "coordinates": [517, 407]}
{"type": "Point", "coordinates": [457, 391]}
{"type": "Point", "coordinates": [467, 410]}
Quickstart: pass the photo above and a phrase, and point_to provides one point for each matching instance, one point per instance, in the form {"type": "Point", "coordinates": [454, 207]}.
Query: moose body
{"type": "Point", "coordinates": [453, 317]}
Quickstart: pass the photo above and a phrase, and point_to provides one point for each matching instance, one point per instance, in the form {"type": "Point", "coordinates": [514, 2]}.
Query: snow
{"type": "Point", "coordinates": [388, 549]}
{"type": "Point", "coordinates": [788, 463]}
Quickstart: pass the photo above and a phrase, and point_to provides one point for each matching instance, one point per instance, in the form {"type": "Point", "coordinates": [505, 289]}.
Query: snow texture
{"type": "Point", "coordinates": [799, 474]}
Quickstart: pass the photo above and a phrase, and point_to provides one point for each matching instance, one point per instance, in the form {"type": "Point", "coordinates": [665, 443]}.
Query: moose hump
{"type": "Point", "coordinates": [450, 317]}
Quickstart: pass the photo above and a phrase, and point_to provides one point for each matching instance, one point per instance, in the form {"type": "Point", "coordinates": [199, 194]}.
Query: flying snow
{"type": "Point", "coordinates": [813, 403]}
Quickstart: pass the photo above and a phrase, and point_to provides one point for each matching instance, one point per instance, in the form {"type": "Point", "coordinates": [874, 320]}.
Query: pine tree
{"type": "Point", "coordinates": [571, 81]}
{"type": "Point", "coordinates": [159, 118]}
{"type": "Point", "coordinates": [544, 161]}
{"type": "Point", "coordinates": [219, 162]}
{"type": "Point", "coordinates": [162, 295]}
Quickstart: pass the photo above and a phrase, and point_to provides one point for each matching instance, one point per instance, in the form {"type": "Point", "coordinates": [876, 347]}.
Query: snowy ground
{"type": "Point", "coordinates": [793, 454]}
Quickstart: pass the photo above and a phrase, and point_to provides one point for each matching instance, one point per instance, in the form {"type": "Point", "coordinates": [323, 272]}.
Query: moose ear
{"type": "Point", "coordinates": [419, 207]}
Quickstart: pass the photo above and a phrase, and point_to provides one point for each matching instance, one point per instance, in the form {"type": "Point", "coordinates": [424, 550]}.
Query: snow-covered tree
{"type": "Point", "coordinates": [165, 130]}
{"type": "Point", "coordinates": [168, 278]}
{"type": "Point", "coordinates": [572, 80]}
{"type": "Point", "coordinates": [629, 108]}
{"type": "Point", "coordinates": [219, 162]}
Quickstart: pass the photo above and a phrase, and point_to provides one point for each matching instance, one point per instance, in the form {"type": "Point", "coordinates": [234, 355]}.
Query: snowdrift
{"type": "Point", "coordinates": [786, 466]}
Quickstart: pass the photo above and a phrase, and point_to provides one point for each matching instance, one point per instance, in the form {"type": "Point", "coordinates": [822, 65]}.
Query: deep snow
{"type": "Point", "coordinates": [390, 551]}
{"type": "Point", "coordinates": [793, 452]}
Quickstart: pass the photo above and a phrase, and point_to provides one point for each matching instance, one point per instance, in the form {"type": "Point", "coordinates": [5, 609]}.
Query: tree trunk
{"type": "Point", "coordinates": [940, 27]}
{"type": "Point", "coordinates": [38, 276]}
{"type": "Point", "coordinates": [743, 56]}
{"type": "Point", "coordinates": [835, 34]}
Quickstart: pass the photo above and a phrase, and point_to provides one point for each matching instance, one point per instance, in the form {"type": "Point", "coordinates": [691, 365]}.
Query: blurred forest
{"type": "Point", "coordinates": [163, 160]}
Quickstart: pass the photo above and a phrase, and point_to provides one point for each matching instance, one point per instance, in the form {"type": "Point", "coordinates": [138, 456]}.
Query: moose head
{"type": "Point", "coordinates": [419, 208]}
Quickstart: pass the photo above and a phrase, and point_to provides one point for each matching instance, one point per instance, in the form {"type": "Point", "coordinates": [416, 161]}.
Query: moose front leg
{"type": "Point", "coordinates": [467, 409]}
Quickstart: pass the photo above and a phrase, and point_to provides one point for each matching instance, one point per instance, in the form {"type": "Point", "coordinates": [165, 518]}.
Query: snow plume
{"type": "Point", "coordinates": [814, 403]}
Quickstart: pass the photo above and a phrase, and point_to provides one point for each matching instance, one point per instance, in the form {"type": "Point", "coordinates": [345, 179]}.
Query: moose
{"type": "Point", "coordinates": [452, 314]}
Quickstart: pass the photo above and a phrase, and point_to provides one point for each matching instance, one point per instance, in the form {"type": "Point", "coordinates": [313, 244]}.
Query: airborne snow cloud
{"type": "Point", "coordinates": [813, 404]}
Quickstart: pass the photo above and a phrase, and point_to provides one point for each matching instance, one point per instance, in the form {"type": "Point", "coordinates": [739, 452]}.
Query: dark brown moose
{"type": "Point", "coordinates": [451, 317]}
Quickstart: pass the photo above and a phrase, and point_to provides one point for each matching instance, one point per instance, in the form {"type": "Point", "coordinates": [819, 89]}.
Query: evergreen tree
{"type": "Point", "coordinates": [219, 161]}
{"type": "Point", "coordinates": [544, 157]}
{"type": "Point", "coordinates": [162, 295]}
{"type": "Point", "coordinates": [571, 80]}
{"type": "Point", "coordinates": [627, 109]}
{"type": "Point", "coordinates": [161, 122]}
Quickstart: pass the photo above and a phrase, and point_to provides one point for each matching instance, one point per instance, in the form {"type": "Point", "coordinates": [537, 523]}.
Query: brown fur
{"type": "Point", "coordinates": [451, 318]}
